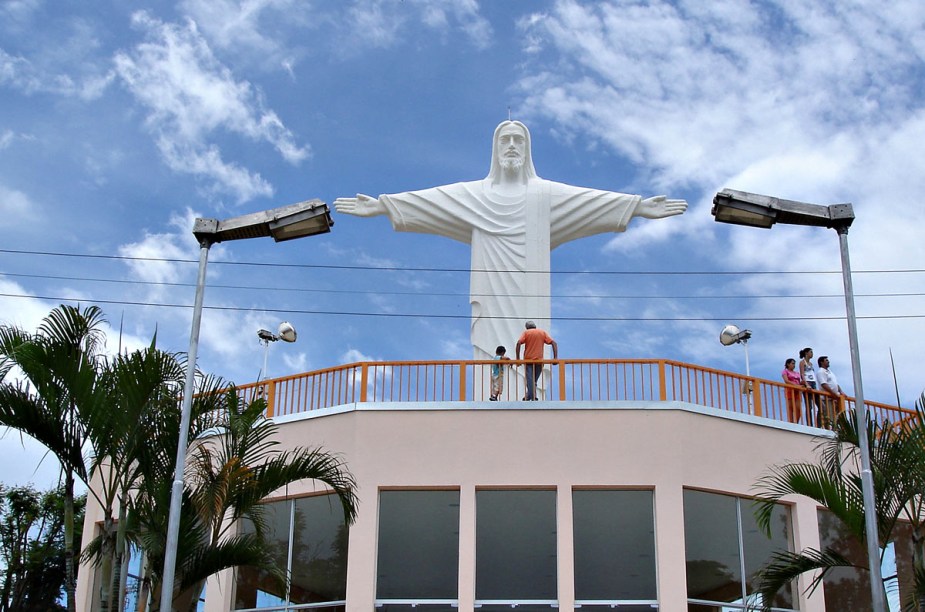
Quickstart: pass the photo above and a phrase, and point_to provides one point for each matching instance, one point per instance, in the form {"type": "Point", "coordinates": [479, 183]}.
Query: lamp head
{"type": "Point", "coordinates": [756, 210]}
{"type": "Point", "coordinates": [306, 218]}
{"type": "Point", "coordinates": [287, 332]}
{"type": "Point", "coordinates": [733, 335]}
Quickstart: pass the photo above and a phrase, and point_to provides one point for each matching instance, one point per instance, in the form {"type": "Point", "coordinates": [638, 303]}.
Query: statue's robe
{"type": "Point", "coordinates": [511, 239]}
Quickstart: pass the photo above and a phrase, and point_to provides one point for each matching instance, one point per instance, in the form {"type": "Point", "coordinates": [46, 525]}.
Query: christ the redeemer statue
{"type": "Point", "coordinates": [512, 219]}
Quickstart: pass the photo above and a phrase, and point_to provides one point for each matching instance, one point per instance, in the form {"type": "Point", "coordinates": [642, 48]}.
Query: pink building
{"type": "Point", "coordinates": [625, 488]}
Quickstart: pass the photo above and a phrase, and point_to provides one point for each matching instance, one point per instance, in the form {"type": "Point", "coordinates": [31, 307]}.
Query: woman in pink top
{"type": "Point", "coordinates": [793, 379]}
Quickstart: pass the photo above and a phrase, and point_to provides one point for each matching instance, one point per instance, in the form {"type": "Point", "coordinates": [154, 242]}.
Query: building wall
{"type": "Point", "coordinates": [662, 446]}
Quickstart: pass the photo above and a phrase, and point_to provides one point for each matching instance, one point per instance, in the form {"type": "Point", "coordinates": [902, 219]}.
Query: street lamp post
{"type": "Point", "coordinates": [743, 208]}
{"type": "Point", "coordinates": [284, 223]}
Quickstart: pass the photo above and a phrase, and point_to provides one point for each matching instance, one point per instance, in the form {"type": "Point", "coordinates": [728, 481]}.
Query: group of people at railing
{"type": "Point", "coordinates": [819, 390]}
{"type": "Point", "coordinates": [533, 340]}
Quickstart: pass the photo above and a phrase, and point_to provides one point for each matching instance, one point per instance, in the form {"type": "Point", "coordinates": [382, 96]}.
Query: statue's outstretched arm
{"type": "Point", "coordinates": [658, 207]}
{"type": "Point", "coordinates": [361, 206]}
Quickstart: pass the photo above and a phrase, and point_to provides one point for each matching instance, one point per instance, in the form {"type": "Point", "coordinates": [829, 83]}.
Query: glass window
{"type": "Point", "coordinates": [418, 556]}
{"type": "Point", "coordinates": [315, 529]}
{"type": "Point", "coordinates": [515, 546]}
{"type": "Point", "coordinates": [849, 587]}
{"type": "Point", "coordinates": [256, 588]}
{"type": "Point", "coordinates": [759, 548]}
{"type": "Point", "coordinates": [722, 545]}
{"type": "Point", "coordinates": [319, 551]}
{"type": "Point", "coordinates": [614, 545]}
{"type": "Point", "coordinates": [711, 544]}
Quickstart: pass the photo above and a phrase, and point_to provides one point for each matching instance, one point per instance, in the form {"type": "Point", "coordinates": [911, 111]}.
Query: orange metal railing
{"type": "Point", "coordinates": [568, 380]}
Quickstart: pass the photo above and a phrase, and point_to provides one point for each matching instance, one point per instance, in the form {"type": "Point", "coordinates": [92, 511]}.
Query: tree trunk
{"type": "Point", "coordinates": [70, 582]}
{"type": "Point", "coordinates": [141, 604]}
{"type": "Point", "coordinates": [188, 599]}
{"type": "Point", "coordinates": [106, 565]}
{"type": "Point", "coordinates": [918, 564]}
{"type": "Point", "coordinates": [121, 556]}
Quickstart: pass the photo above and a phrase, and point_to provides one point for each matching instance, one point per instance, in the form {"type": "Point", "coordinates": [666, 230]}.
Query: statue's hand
{"type": "Point", "coordinates": [361, 206]}
{"type": "Point", "coordinates": [658, 207]}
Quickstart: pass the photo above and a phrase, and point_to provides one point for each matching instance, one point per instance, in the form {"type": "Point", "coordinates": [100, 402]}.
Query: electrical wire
{"type": "Point", "coordinates": [466, 270]}
{"type": "Point", "coordinates": [444, 294]}
{"type": "Point", "coordinates": [443, 316]}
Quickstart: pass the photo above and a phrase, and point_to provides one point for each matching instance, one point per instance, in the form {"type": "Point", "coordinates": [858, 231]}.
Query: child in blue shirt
{"type": "Point", "coordinates": [497, 374]}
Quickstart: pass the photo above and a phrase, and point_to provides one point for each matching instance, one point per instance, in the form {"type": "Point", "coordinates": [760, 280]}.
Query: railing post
{"type": "Point", "coordinates": [662, 381]}
{"type": "Point", "coordinates": [462, 381]}
{"type": "Point", "coordinates": [561, 365]}
{"type": "Point", "coordinates": [364, 377]}
{"type": "Point", "coordinates": [755, 388]}
{"type": "Point", "coordinates": [271, 398]}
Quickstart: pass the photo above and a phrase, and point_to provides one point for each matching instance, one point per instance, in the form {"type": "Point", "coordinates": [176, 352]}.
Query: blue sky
{"type": "Point", "coordinates": [123, 122]}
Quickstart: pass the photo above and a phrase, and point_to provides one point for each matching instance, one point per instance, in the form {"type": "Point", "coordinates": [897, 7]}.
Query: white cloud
{"type": "Point", "coordinates": [18, 309]}
{"type": "Point", "coordinates": [442, 13]}
{"type": "Point", "coordinates": [154, 249]}
{"type": "Point", "coordinates": [52, 76]}
{"type": "Point", "coordinates": [821, 106]}
{"type": "Point", "coordinates": [236, 24]}
{"type": "Point", "coordinates": [15, 207]}
{"type": "Point", "coordinates": [382, 23]}
{"type": "Point", "coordinates": [19, 10]}
{"type": "Point", "coordinates": [353, 355]}
{"type": "Point", "coordinates": [294, 362]}
{"type": "Point", "coordinates": [696, 90]}
{"type": "Point", "coordinates": [206, 160]}
{"type": "Point", "coordinates": [192, 98]}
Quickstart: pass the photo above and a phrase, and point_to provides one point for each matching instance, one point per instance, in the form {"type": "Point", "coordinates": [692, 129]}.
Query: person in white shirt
{"type": "Point", "coordinates": [828, 383]}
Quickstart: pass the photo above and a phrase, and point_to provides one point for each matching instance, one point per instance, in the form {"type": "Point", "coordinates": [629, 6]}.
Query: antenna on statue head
{"type": "Point", "coordinates": [508, 113]}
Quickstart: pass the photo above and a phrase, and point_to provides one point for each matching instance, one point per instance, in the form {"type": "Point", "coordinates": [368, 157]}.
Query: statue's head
{"type": "Point", "coordinates": [511, 150]}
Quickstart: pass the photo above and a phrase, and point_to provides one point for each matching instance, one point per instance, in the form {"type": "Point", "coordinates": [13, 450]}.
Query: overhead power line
{"type": "Point", "coordinates": [445, 294]}
{"type": "Point", "coordinates": [466, 270]}
{"type": "Point", "coordinates": [444, 316]}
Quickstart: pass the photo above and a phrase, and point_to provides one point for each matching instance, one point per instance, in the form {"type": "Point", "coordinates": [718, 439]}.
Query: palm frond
{"type": "Point", "coordinates": [842, 496]}
{"type": "Point", "coordinates": [785, 567]}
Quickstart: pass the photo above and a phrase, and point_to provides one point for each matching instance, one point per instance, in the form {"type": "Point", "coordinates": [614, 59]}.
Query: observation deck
{"type": "Point", "coordinates": [571, 381]}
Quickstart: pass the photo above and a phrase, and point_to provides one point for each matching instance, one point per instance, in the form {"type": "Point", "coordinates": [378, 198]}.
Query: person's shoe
{"type": "Point", "coordinates": [492, 398]}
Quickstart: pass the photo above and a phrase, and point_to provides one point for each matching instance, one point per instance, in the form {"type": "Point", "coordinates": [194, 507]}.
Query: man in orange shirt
{"type": "Point", "coordinates": [534, 340]}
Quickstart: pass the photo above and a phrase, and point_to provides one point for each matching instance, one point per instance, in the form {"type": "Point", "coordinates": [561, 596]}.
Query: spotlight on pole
{"type": "Point", "coordinates": [286, 333]}
{"type": "Point", "coordinates": [733, 335]}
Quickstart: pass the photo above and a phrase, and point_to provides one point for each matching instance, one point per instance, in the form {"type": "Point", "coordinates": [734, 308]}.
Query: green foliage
{"type": "Point", "coordinates": [234, 463]}
{"type": "Point", "coordinates": [32, 548]}
{"type": "Point", "coordinates": [898, 469]}
{"type": "Point", "coordinates": [124, 412]}
{"type": "Point", "coordinates": [59, 366]}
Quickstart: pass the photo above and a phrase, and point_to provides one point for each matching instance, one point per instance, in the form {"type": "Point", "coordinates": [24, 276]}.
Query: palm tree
{"type": "Point", "coordinates": [230, 471]}
{"type": "Point", "coordinates": [898, 467]}
{"type": "Point", "coordinates": [125, 413]}
{"type": "Point", "coordinates": [59, 365]}
{"type": "Point", "coordinates": [133, 388]}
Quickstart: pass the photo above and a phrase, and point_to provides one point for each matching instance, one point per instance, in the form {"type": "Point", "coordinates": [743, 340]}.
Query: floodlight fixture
{"type": "Point", "coordinates": [306, 218]}
{"type": "Point", "coordinates": [733, 335]}
{"type": "Point", "coordinates": [286, 333]}
{"type": "Point", "coordinates": [755, 210]}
